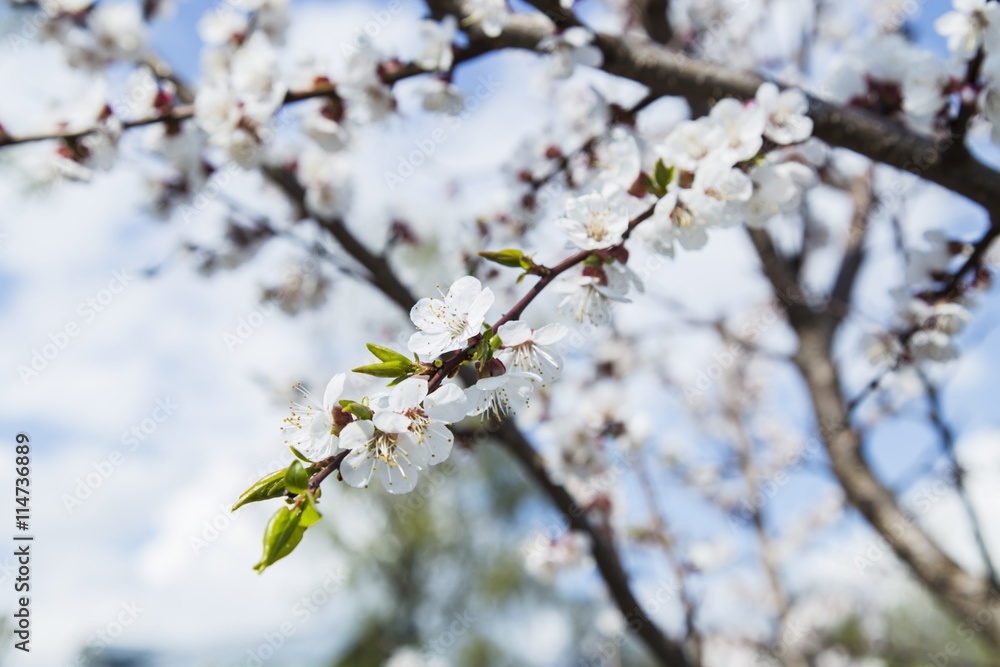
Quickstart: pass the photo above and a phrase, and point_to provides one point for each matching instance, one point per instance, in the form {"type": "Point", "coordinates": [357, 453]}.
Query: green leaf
{"type": "Point", "coordinates": [387, 354]}
{"type": "Point", "coordinates": [282, 535]}
{"type": "Point", "coordinates": [495, 343]}
{"type": "Point", "coordinates": [272, 486]}
{"type": "Point", "coordinates": [310, 514]}
{"type": "Point", "coordinates": [359, 410]}
{"type": "Point", "coordinates": [387, 369]}
{"type": "Point", "coordinates": [296, 478]}
{"type": "Point", "coordinates": [511, 257]}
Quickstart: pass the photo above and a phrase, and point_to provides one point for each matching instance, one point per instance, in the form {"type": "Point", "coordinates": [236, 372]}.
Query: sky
{"type": "Point", "coordinates": [146, 423]}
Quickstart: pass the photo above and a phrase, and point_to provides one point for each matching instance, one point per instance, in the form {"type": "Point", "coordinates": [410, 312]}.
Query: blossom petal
{"type": "Point", "coordinates": [391, 422]}
{"type": "Point", "coordinates": [408, 394]}
{"type": "Point", "coordinates": [401, 478]}
{"type": "Point", "coordinates": [357, 467]}
{"type": "Point", "coordinates": [447, 404]}
{"type": "Point", "coordinates": [549, 334]}
{"type": "Point", "coordinates": [357, 434]}
{"type": "Point", "coordinates": [438, 440]}
{"type": "Point", "coordinates": [334, 390]}
{"type": "Point", "coordinates": [514, 333]}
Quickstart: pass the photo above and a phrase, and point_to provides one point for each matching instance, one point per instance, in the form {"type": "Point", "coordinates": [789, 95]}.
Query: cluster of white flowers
{"type": "Point", "coordinates": [94, 34]}
{"type": "Point", "coordinates": [718, 172]}
{"type": "Point", "coordinates": [401, 431]}
{"type": "Point", "coordinates": [922, 332]}
{"type": "Point", "coordinates": [240, 92]}
{"type": "Point", "coordinates": [889, 75]}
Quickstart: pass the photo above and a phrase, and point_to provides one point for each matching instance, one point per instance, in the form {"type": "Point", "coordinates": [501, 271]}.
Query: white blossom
{"type": "Point", "coordinates": [588, 294]}
{"type": "Point", "coordinates": [492, 15]}
{"type": "Point", "coordinates": [777, 188]}
{"type": "Point", "coordinates": [326, 179]}
{"type": "Point", "coordinates": [436, 38]}
{"type": "Point", "coordinates": [531, 351]}
{"type": "Point", "coordinates": [395, 456]}
{"type": "Point", "coordinates": [448, 323]}
{"type": "Point", "coordinates": [674, 219]}
{"type": "Point", "coordinates": [223, 27]}
{"type": "Point", "coordinates": [569, 48]}
{"type": "Point", "coordinates": [118, 29]}
{"type": "Point", "coordinates": [617, 158]}
{"type": "Point", "coordinates": [502, 395]}
{"type": "Point", "coordinates": [407, 408]}
{"type": "Point", "coordinates": [968, 25]}
{"type": "Point", "coordinates": [596, 220]}
{"type": "Point", "coordinates": [314, 426]}
{"type": "Point", "coordinates": [785, 113]}
{"type": "Point", "coordinates": [689, 143]}
{"type": "Point", "coordinates": [742, 126]}
{"type": "Point", "coordinates": [369, 99]}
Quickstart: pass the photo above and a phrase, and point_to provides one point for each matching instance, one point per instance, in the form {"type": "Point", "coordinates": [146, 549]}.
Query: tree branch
{"type": "Point", "coordinates": [963, 593]}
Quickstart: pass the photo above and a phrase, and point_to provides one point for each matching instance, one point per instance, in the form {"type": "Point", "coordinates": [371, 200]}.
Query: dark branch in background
{"type": "Point", "coordinates": [380, 274]}
{"type": "Point", "coordinates": [962, 592]}
{"type": "Point", "coordinates": [860, 189]}
{"type": "Point", "coordinates": [948, 445]}
{"type": "Point", "coordinates": [667, 652]}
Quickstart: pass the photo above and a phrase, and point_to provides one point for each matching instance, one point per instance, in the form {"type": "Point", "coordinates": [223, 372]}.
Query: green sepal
{"type": "Point", "coordinates": [266, 488]}
{"type": "Point", "coordinates": [296, 478]}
